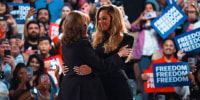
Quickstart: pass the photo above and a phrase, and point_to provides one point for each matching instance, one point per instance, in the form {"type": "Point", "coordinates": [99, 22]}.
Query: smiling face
{"type": "Point", "coordinates": [169, 48]}
{"type": "Point", "coordinates": [35, 64]}
{"type": "Point", "coordinates": [104, 20]}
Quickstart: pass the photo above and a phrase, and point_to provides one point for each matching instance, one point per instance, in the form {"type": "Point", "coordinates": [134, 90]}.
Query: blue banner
{"type": "Point", "coordinates": [165, 24]}
{"type": "Point", "coordinates": [171, 74]}
{"type": "Point", "coordinates": [19, 11]}
{"type": "Point", "coordinates": [171, 2]}
{"type": "Point", "coordinates": [189, 41]}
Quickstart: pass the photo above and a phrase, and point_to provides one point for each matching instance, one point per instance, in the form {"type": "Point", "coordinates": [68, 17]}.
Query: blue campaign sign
{"type": "Point", "coordinates": [171, 74]}
{"type": "Point", "coordinates": [170, 2]}
{"type": "Point", "coordinates": [172, 17]}
{"type": "Point", "coordinates": [19, 11]}
{"type": "Point", "coordinates": [189, 41]}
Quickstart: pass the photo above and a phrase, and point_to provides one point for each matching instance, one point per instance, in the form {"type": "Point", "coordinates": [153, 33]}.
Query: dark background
{"type": "Point", "coordinates": [133, 8]}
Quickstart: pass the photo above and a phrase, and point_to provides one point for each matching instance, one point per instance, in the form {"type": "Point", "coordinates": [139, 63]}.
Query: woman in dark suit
{"type": "Point", "coordinates": [77, 51]}
{"type": "Point", "coordinates": [109, 42]}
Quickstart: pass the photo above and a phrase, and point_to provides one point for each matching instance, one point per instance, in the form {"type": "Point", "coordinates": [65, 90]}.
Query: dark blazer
{"type": "Point", "coordinates": [114, 78]}
{"type": "Point", "coordinates": [76, 87]}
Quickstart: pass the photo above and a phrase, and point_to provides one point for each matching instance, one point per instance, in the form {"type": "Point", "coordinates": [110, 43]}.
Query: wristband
{"type": "Point", "coordinates": [27, 18]}
{"type": "Point", "coordinates": [31, 93]}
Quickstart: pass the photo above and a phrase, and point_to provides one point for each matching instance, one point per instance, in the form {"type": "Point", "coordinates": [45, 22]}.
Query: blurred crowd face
{"type": "Point", "coordinates": [191, 12]}
{"type": "Point", "coordinates": [65, 11]}
{"type": "Point", "coordinates": [4, 26]}
{"type": "Point", "coordinates": [4, 46]}
{"type": "Point", "coordinates": [43, 16]}
{"type": "Point", "coordinates": [15, 48]}
{"type": "Point", "coordinates": [33, 31]}
{"type": "Point", "coordinates": [162, 2]}
{"type": "Point", "coordinates": [85, 8]}
{"type": "Point", "coordinates": [169, 48]}
{"type": "Point", "coordinates": [44, 80]}
{"type": "Point", "coordinates": [22, 74]}
{"type": "Point", "coordinates": [148, 8]}
{"type": "Point", "coordinates": [32, 1]}
{"type": "Point", "coordinates": [104, 20]}
{"type": "Point", "coordinates": [2, 8]}
{"type": "Point", "coordinates": [42, 29]}
{"type": "Point", "coordinates": [17, 1]}
{"type": "Point", "coordinates": [35, 64]}
{"type": "Point", "coordinates": [198, 75]}
{"type": "Point", "coordinates": [105, 2]}
{"type": "Point", "coordinates": [44, 46]}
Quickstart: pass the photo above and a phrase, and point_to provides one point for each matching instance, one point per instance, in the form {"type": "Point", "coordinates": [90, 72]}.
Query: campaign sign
{"type": "Point", "coordinates": [19, 11]}
{"type": "Point", "coordinates": [189, 41]}
{"type": "Point", "coordinates": [53, 62]}
{"type": "Point", "coordinates": [172, 17]}
{"type": "Point", "coordinates": [170, 2]}
{"type": "Point", "coordinates": [53, 30]}
{"type": "Point", "coordinates": [1, 34]}
{"type": "Point", "coordinates": [171, 74]}
{"type": "Point", "coordinates": [149, 86]}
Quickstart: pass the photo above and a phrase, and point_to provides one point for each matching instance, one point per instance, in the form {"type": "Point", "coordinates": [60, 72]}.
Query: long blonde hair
{"type": "Point", "coordinates": [75, 27]}
{"type": "Point", "coordinates": [115, 31]}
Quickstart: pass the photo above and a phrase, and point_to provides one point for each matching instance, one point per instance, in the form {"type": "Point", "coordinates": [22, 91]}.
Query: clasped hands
{"type": "Point", "coordinates": [80, 70]}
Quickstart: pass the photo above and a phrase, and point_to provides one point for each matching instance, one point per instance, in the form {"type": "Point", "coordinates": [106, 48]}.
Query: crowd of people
{"type": "Point", "coordinates": [97, 45]}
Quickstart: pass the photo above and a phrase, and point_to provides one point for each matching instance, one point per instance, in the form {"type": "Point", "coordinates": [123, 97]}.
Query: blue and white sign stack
{"type": "Point", "coordinates": [189, 42]}
{"type": "Point", "coordinates": [171, 74]}
{"type": "Point", "coordinates": [172, 17]}
{"type": "Point", "coordinates": [19, 11]}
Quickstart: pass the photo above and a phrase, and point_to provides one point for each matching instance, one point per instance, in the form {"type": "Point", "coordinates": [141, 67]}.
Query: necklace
{"type": "Point", "coordinates": [44, 97]}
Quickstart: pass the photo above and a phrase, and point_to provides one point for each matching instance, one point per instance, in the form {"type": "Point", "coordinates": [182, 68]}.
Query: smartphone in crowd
{"type": "Point", "coordinates": [161, 97]}
{"type": "Point", "coordinates": [192, 61]}
{"type": "Point", "coordinates": [19, 36]}
{"type": "Point", "coordinates": [29, 73]}
{"type": "Point", "coordinates": [6, 52]}
{"type": "Point", "coordinates": [53, 63]}
{"type": "Point", "coordinates": [3, 18]}
{"type": "Point", "coordinates": [150, 15]}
